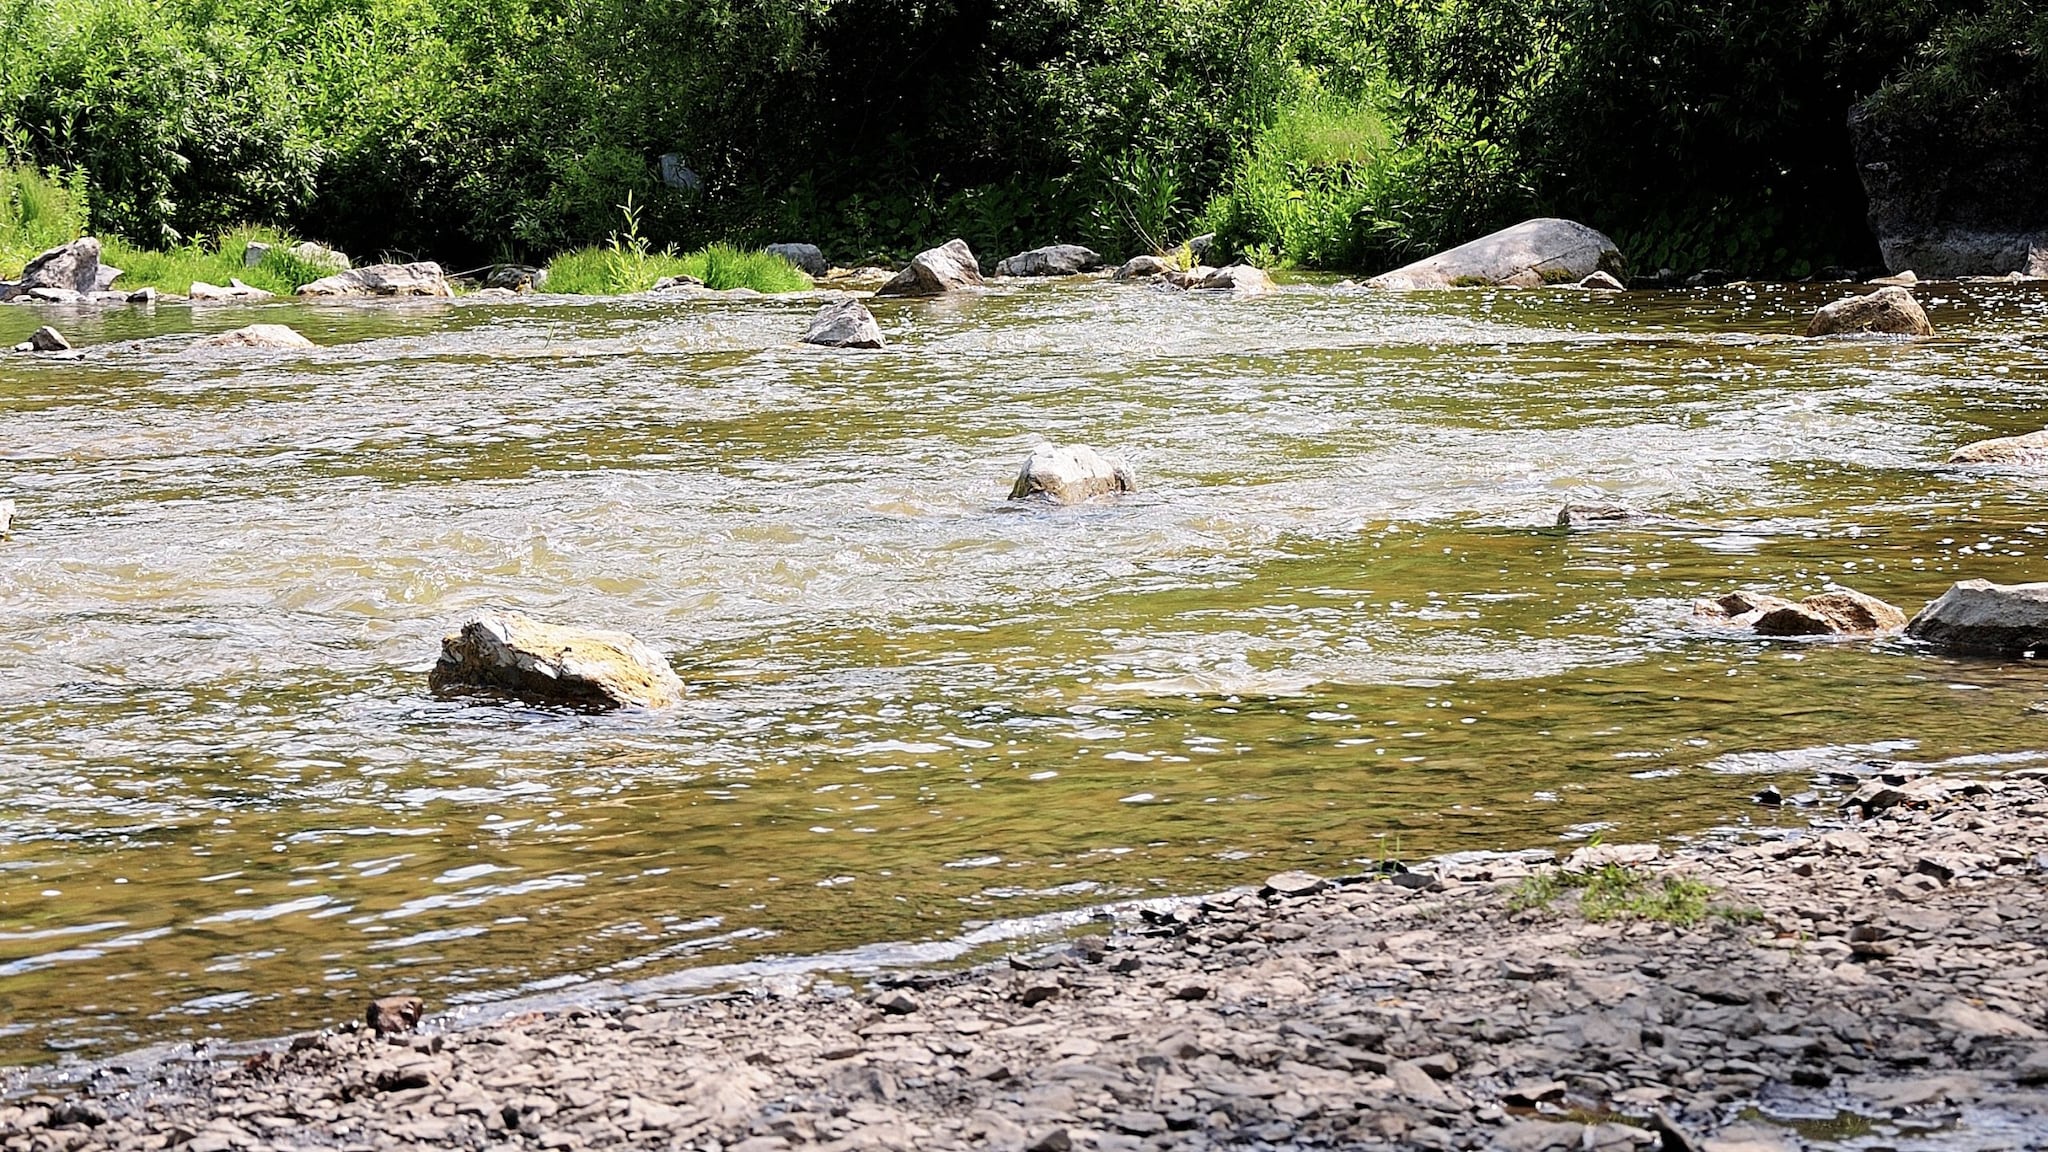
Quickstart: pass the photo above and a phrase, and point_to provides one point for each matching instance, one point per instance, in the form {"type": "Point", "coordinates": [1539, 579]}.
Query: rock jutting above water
{"type": "Point", "coordinates": [421, 278]}
{"type": "Point", "coordinates": [809, 259]}
{"type": "Point", "coordinates": [844, 323]}
{"type": "Point", "coordinates": [517, 278]}
{"type": "Point", "coordinates": [950, 267]}
{"type": "Point", "coordinates": [2029, 450]}
{"type": "Point", "coordinates": [1588, 515]}
{"type": "Point", "coordinates": [1977, 617]}
{"type": "Point", "coordinates": [1070, 474]}
{"type": "Point", "coordinates": [1602, 282]}
{"type": "Point", "coordinates": [44, 339]}
{"type": "Point", "coordinates": [509, 654]}
{"type": "Point", "coordinates": [1143, 268]}
{"type": "Point", "coordinates": [1841, 612]}
{"type": "Point", "coordinates": [270, 336]}
{"type": "Point", "coordinates": [1888, 311]}
{"type": "Point", "coordinates": [1053, 260]}
{"type": "Point", "coordinates": [1527, 255]}
{"type": "Point", "coordinates": [1244, 279]}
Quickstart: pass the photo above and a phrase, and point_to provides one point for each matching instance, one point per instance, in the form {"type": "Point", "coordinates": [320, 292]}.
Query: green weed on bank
{"type": "Point", "coordinates": [1618, 892]}
{"type": "Point", "coordinates": [612, 271]}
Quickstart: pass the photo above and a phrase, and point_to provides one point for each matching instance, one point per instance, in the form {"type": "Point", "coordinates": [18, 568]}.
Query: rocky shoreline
{"type": "Point", "coordinates": [1876, 980]}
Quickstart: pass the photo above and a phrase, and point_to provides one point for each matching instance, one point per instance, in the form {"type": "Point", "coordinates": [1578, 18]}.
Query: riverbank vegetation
{"type": "Point", "coordinates": [1323, 133]}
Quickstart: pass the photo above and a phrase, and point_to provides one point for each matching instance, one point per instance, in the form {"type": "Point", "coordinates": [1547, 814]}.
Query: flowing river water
{"type": "Point", "coordinates": [1336, 624]}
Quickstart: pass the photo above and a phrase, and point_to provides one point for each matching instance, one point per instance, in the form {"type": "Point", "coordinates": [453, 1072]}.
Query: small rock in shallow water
{"type": "Point", "coordinates": [1585, 515]}
{"type": "Point", "coordinates": [1071, 474]}
{"type": "Point", "coordinates": [2029, 450]}
{"type": "Point", "coordinates": [844, 323]}
{"type": "Point", "coordinates": [46, 339]}
{"type": "Point", "coordinates": [951, 267]}
{"type": "Point", "coordinates": [1053, 260]}
{"type": "Point", "coordinates": [272, 336]}
{"type": "Point", "coordinates": [1602, 282]}
{"type": "Point", "coordinates": [507, 653]}
{"type": "Point", "coordinates": [1143, 268]}
{"type": "Point", "coordinates": [1295, 884]}
{"type": "Point", "coordinates": [1887, 311]}
{"type": "Point", "coordinates": [390, 1015]}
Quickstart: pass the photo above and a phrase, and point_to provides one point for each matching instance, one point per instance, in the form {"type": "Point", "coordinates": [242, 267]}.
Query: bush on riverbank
{"type": "Point", "coordinates": [607, 271]}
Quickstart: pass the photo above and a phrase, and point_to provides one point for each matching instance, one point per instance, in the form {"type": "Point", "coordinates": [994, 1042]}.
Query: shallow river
{"type": "Point", "coordinates": [1336, 625]}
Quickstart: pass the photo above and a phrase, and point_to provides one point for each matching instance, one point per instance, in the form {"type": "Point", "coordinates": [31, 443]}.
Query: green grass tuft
{"type": "Point", "coordinates": [1616, 892]}
{"type": "Point", "coordinates": [217, 263]}
{"type": "Point", "coordinates": [38, 211]}
{"type": "Point", "coordinates": [620, 269]}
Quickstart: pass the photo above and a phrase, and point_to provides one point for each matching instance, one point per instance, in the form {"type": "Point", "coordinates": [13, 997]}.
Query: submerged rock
{"type": "Point", "coordinates": [951, 267]}
{"type": "Point", "coordinates": [271, 336]}
{"type": "Point", "coordinates": [1842, 612]}
{"type": "Point", "coordinates": [807, 257]}
{"type": "Point", "coordinates": [1072, 474]}
{"type": "Point", "coordinates": [1986, 619]}
{"type": "Point", "coordinates": [2029, 450]}
{"type": "Point", "coordinates": [1528, 255]}
{"type": "Point", "coordinates": [1143, 268]}
{"type": "Point", "coordinates": [235, 290]}
{"type": "Point", "coordinates": [506, 653]}
{"type": "Point", "coordinates": [1053, 260]}
{"type": "Point", "coordinates": [844, 323]}
{"type": "Point", "coordinates": [44, 339]}
{"type": "Point", "coordinates": [73, 267]}
{"type": "Point", "coordinates": [422, 278]}
{"type": "Point", "coordinates": [1587, 515]}
{"type": "Point", "coordinates": [1888, 311]}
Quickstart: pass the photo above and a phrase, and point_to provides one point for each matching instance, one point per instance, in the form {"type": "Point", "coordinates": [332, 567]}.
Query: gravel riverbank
{"type": "Point", "coordinates": [1875, 981]}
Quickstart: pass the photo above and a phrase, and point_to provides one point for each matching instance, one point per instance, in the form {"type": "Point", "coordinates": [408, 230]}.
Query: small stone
{"type": "Point", "coordinates": [1887, 311]}
{"type": "Point", "coordinates": [392, 1015]}
{"type": "Point", "coordinates": [1056, 1140]}
{"type": "Point", "coordinates": [1037, 992]}
{"type": "Point", "coordinates": [1070, 474]}
{"type": "Point", "coordinates": [896, 1003]}
{"type": "Point", "coordinates": [47, 339]}
{"type": "Point", "coordinates": [1292, 884]}
{"type": "Point", "coordinates": [1192, 992]}
{"type": "Point", "coordinates": [844, 323]}
{"type": "Point", "coordinates": [1602, 282]}
{"type": "Point", "coordinates": [275, 337]}
{"type": "Point", "coordinates": [1529, 1093]}
{"type": "Point", "coordinates": [509, 654]}
{"type": "Point", "coordinates": [1138, 1123]}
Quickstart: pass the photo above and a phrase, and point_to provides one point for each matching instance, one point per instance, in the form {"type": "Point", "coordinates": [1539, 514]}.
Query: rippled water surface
{"type": "Point", "coordinates": [1335, 625]}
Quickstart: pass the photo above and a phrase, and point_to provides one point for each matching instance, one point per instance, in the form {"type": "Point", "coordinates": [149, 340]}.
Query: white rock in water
{"type": "Point", "coordinates": [46, 339]}
{"type": "Point", "coordinates": [505, 653]}
{"type": "Point", "coordinates": [1888, 311]}
{"type": "Point", "coordinates": [951, 267]}
{"type": "Point", "coordinates": [844, 323]}
{"type": "Point", "coordinates": [236, 290]}
{"type": "Point", "coordinates": [1070, 475]}
{"type": "Point", "coordinates": [1986, 619]}
{"type": "Point", "coordinates": [1528, 255]}
{"type": "Point", "coordinates": [423, 278]}
{"type": "Point", "coordinates": [274, 336]}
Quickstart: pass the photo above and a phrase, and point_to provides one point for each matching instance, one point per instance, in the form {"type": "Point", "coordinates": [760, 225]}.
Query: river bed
{"type": "Point", "coordinates": [1337, 624]}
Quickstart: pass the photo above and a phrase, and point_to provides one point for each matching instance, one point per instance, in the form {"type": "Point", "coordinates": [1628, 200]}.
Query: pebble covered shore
{"type": "Point", "coordinates": [1879, 980]}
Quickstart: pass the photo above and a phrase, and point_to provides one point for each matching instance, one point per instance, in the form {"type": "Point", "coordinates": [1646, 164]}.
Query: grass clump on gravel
{"type": "Point", "coordinates": [1617, 892]}
{"type": "Point", "coordinates": [176, 269]}
{"type": "Point", "coordinates": [618, 269]}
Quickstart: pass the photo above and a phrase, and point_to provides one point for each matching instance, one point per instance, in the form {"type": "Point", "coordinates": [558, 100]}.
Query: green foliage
{"type": "Point", "coordinates": [1617, 892]}
{"type": "Point", "coordinates": [38, 211]}
{"type": "Point", "coordinates": [627, 265]}
{"type": "Point", "coordinates": [175, 269]}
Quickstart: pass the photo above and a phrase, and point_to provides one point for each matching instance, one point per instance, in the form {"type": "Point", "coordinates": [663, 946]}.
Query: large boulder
{"type": "Point", "coordinates": [2029, 450]}
{"type": "Point", "coordinates": [274, 337]}
{"type": "Point", "coordinates": [423, 278]}
{"type": "Point", "coordinates": [807, 257]}
{"type": "Point", "coordinates": [844, 323]}
{"type": "Point", "coordinates": [505, 653]}
{"type": "Point", "coordinates": [950, 267]}
{"type": "Point", "coordinates": [1986, 619]}
{"type": "Point", "coordinates": [1887, 311]}
{"type": "Point", "coordinates": [1955, 187]}
{"type": "Point", "coordinates": [1072, 474]}
{"type": "Point", "coordinates": [1528, 255]}
{"type": "Point", "coordinates": [73, 267]}
{"type": "Point", "coordinates": [1054, 260]}
{"type": "Point", "coordinates": [517, 278]}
